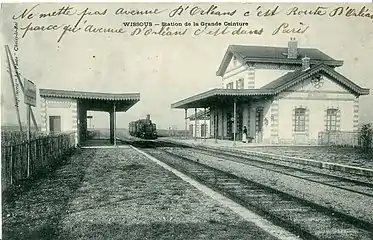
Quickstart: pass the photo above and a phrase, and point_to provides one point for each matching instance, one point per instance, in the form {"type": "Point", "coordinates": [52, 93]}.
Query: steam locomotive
{"type": "Point", "coordinates": [143, 128]}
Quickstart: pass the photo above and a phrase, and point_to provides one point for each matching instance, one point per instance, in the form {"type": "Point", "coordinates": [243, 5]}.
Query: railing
{"type": "Point", "coordinates": [45, 152]}
{"type": "Point", "coordinates": [340, 138]}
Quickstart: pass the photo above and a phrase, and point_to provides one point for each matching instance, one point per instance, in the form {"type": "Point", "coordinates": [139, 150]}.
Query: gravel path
{"type": "Point", "coordinates": [118, 194]}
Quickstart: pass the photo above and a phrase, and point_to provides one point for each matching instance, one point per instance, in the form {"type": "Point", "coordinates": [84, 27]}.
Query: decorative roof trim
{"type": "Point", "coordinates": [345, 82]}
{"type": "Point", "coordinates": [89, 95]}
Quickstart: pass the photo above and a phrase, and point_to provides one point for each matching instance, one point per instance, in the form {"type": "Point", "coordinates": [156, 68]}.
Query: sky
{"type": "Point", "coordinates": [165, 70]}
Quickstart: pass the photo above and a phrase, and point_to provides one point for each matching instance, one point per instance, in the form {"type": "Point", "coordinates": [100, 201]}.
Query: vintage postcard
{"type": "Point", "coordinates": [185, 120]}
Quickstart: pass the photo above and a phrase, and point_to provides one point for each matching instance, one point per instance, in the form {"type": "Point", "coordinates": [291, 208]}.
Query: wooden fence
{"type": "Point", "coordinates": [45, 151]}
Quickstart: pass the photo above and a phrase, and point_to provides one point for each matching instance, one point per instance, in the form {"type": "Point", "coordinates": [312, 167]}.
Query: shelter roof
{"type": "Point", "coordinates": [88, 95]}
{"type": "Point", "coordinates": [95, 101]}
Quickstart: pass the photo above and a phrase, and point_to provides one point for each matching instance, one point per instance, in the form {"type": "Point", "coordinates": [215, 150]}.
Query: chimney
{"type": "Point", "coordinates": [305, 63]}
{"type": "Point", "coordinates": [148, 117]}
{"type": "Point", "coordinates": [292, 48]}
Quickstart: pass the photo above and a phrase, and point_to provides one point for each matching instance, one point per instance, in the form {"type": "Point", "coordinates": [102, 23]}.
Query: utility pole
{"type": "Point", "coordinates": [14, 91]}
{"type": "Point", "coordinates": [20, 82]}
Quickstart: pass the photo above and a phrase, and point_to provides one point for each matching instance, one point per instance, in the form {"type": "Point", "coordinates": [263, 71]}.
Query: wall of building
{"type": "Point", "coordinates": [235, 72]}
{"type": "Point", "coordinates": [316, 101]}
{"type": "Point", "coordinates": [65, 108]}
{"type": "Point", "coordinates": [256, 75]}
{"type": "Point", "coordinates": [199, 123]}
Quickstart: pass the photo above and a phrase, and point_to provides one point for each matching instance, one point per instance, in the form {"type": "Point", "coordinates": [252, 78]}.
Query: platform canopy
{"type": "Point", "coordinates": [218, 96]}
{"type": "Point", "coordinates": [96, 101]}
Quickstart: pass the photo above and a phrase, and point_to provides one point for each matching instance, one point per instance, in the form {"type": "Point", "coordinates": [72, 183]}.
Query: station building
{"type": "Point", "coordinates": [283, 95]}
{"type": "Point", "coordinates": [200, 124]}
{"type": "Point", "coordinates": [66, 111]}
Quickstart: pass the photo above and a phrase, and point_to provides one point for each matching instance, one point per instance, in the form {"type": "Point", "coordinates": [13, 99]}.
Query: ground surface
{"type": "Point", "coordinates": [118, 194]}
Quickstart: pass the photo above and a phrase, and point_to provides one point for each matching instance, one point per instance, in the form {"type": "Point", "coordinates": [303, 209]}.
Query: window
{"type": "Point", "coordinates": [230, 85]}
{"type": "Point", "coordinates": [331, 120]}
{"type": "Point", "coordinates": [300, 120]}
{"type": "Point", "coordinates": [55, 124]}
{"type": "Point", "coordinates": [239, 83]}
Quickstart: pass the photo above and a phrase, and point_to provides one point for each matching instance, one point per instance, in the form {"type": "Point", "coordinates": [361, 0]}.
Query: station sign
{"type": "Point", "coordinates": [30, 93]}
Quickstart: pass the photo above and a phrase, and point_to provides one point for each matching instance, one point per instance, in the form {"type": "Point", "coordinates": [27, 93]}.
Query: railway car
{"type": "Point", "coordinates": [143, 128]}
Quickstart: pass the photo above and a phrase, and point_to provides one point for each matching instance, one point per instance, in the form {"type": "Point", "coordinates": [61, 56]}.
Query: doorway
{"type": "Point", "coordinates": [203, 130]}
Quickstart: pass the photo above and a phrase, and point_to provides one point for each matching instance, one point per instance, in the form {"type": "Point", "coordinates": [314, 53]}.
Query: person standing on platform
{"type": "Point", "coordinates": [244, 135]}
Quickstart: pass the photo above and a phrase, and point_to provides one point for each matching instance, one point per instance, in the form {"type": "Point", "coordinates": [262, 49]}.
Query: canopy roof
{"type": "Point", "coordinates": [95, 101]}
{"type": "Point", "coordinates": [218, 96]}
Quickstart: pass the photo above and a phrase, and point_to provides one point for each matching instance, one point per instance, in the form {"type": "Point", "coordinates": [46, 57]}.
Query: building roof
{"type": "Point", "coordinates": [221, 96]}
{"type": "Point", "coordinates": [88, 95]}
{"type": "Point", "coordinates": [278, 55]}
{"type": "Point", "coordinates": [200, 115]}
{"type": "Point", "coordinates": [292, 78]}
{"type": "Point", "coordinates": [96, 101]}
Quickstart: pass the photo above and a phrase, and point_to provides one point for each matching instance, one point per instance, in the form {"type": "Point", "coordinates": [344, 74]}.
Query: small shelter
{"type": "Point", "coordinates": [66, 111]}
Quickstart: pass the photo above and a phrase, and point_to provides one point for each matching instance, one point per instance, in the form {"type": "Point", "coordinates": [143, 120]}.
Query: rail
{"type": "Point", "coordinates": [45, 152]}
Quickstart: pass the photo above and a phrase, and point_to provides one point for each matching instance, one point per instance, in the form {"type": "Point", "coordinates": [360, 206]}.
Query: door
{"type": "Point", "coordinates": [259, 124]}
{"type": "Point", "coordinates": [55, 124]}
{"type": "Point", "coordinates": [191, 130]}
{"type": "Point", "coordinates": [203, 130]}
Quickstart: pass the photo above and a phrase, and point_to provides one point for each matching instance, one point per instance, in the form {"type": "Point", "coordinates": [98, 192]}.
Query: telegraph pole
{"type": "Point", "coordinates": [14, 91]}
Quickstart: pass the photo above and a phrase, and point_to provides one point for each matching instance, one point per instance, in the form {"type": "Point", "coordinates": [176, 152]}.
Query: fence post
{"type": "Point", "coordinates": [36, 154]}
{"type": "Point", "coordinates": [42, 151]}
{"type": "Point", "coordinates": [11, 165]}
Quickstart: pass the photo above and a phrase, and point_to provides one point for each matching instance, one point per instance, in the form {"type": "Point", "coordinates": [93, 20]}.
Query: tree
{"type": "Point", "coordinates": [366, 135]}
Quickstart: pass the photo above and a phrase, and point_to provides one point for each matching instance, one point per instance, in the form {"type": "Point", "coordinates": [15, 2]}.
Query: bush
{"type": "Point", "coordinates": [366, 135]}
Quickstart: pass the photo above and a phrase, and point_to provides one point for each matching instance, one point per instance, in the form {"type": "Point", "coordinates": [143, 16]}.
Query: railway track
{"type": "Point", "coordinates": [306, 219]}
{"type": "Point", "coordinates": [356, 184]}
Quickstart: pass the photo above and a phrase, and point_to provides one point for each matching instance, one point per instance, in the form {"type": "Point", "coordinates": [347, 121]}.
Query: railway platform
{"type": "Point", "coordinates": [118, 193]}
{"type": "Point", "coordinates": [350, 160]}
